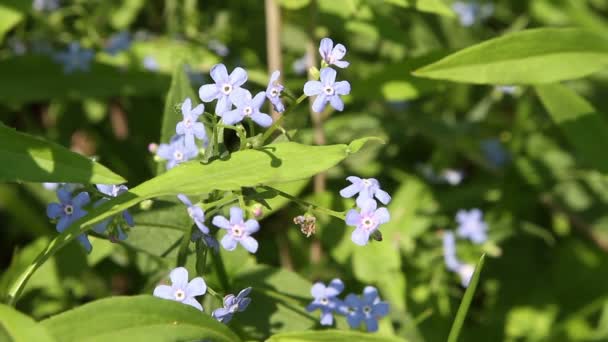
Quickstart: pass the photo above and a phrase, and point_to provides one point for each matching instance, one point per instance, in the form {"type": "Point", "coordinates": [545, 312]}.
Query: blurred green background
{"type": "Point", "coordinates": [546, 275]}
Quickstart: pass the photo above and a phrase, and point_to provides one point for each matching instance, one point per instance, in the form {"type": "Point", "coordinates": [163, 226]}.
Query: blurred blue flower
{"type": "Point", "coordinates": [449, 252]}
{"type": "Point", "coordinates": [471, 225]}
{"type": "Point", "coordinates": [273, 92]}
{"type": "Point", "coordinates": [118, 42]}
{"type": "Point", "coordinates": [209, 240]}
{"type": "Point", "coordinates": [232, 305]}
{"type": "Point", "coordinates": [368, 308]}
{"type": "Point", "coordinates": [68, 210]}
{"type": "Point", "coordinates": [465, 272]}
{"type": "Point", "coordinates": [112, 190]}
{"type": "Point", "coordinates": [469, 12]}
{"type": "Point", "coordinates": [218, 47]}
{"type": "Point", "coordinates": [507, 90]}
{"type": "Point", "coordinates": [75, 58]}
{"type": "Point", "coordinates": [237, 230]}
{"type": "Point", "coordinates": [150, 63]}
{"type": "Point", "coordinates": [189, 127]}
{"type": "Point", "coordinates": [224, 86]}
{"type": "Point", "coordinates": [331, 54]}
{"type": "Point", "coordinates": [176, 151]}
{"type": "Point", "coordinates": [181, 290]}
{"type": "Point", "coordinates": [300, 65]}
{"type": "Point", "coordinates": [45, 5]}
{"type": "Point", "coordinates": [195, 212]}
{"type": "Point", "coordinates": [247, 107]}
{"type": "Point", "coordinates": [366, 221]}
{"type": "Point", "coordinates": [367, 190]}
{"type": "Point", "coordinates": [325, 299]}
{"type": "Point", "coordinates": [494, 152]}
{"type": "Point", "coordinates": [327, 90]}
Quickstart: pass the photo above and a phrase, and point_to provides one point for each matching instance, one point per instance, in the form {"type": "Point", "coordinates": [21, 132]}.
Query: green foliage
{"type": "Point", "coordinates": [461, 314]}
{"type": "Point", "coordinates": [330, 335]}
{"type": "Point", "coordinates": [17, 327]}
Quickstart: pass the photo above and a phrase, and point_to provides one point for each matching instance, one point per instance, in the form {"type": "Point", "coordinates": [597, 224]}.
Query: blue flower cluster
{"type": "Point", "coordinates": [470, 12]}
{"type": "Point", "coordinates": [367, 308]}
{"type": "Point", "coordinates": [367, 220]}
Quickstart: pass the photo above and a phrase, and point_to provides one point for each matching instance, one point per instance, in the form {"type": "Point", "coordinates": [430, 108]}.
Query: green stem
{"type": "Point", "coordinates": [182, 254]}
{"type": "Point", "coordinates": [308, 205]}
{"type": "Point", "coordinates": [277, 123]}
{"type": "Point", "coordinates": [218, 263]}
{"type": "Point", "coordinates": [215, 294]}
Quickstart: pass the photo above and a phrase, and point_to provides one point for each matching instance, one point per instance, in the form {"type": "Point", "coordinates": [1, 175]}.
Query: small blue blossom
{"type": "Point", "coordinates": [368, 308]}
{"type": "Point", "coordinates": [223, 87]}
{"type": "Point", "coordinates": [300, 65]}
{"type": "Point", "coordinates": [45, 5]}
{"type": "Point", "coordinates": [176, 152]}
{"type": "Point", "coordinates": [247, 107]}
{"type": "Point", "coordinates": [452, 177]}
{"type": "Point", "coordinates": [118, 42]}
{"type": "Point", "coordinates": [232, 305]}
{"type": "Point", "coordinates": [209, 240]}
{"type": "Point", "coordinates": [469, 13]}
{"type": "Point", "coordinates": [195, 212]}
{"type": "Point", "coordinates": [471, 225]}
{"type": "Point", "coordinates": [218, 47]}
{"type": "Point", "coordinates": [367, 190]}
{"type": "Point", "coordinates": [112, 190]}
{"type": "Point", "coordinates": [331, 54]}
{"type": "Point", "coordinates": [325, 299]}
{"type": "Point", "coordinates": [181, 290]}
{"type": "Point", "coordinates": [465, 272]}
{"type": "Point", "coordinates": [494, 152]}
{"type": "Point", "coordinates": [327, 91]}
{"type": "Point", "coordinates": [237, 230]}
{"type": "Point", "coordinates": [69, 210]}
{"type": "Point", "coordinates": [150, 63]}
{"type": "Point", "coordinates": [75, 58]}
{"type": "Point", "coordinates": [273, 92]}
{"type": "Point", "coordinates": [366, 221]}
{"type": "Point", "coordinates": [189, 127]}
{"type": "Point", "coordinates": [449, 252]}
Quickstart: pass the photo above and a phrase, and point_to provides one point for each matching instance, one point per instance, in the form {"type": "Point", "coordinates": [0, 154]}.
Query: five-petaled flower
{"type": "Point", "coordinates": [327, 90]}
{"type": "Point", "coordinates": [181, 290]}
{"type": "Point", "coordinates": [176, 151]}
{"type": "Point", "coordinates": [366, 221]}
{"type": "Point", "coordinates": [189, 127]}
{"type": "Point", "coordinates": [224, 86]}
{"type": "Point", "coordinates": [326, 300]}
{"type": "Point", "coordinates": [246, 106]}
{"type": "Point", "coordinates": [195, 212]}
{"type": "Point", "coordinates": [112, 190]}
{"type": "Point", "coordinates": [237, 230]}
{"type": "Point", "coordinates": [273, 92]}
{"type": "Point", "coordinates": [331, 54]}
{"type": "Point", "coordinates": [69, 210]}
{"type": "Point", "coordinates": [367, 190]}
{"type": "Point", "coordinates": [75, 58]}
{"type": "Point", "coordinates": [471, 225]}
{"type": "Point", "coordinates": [368, 308]}
{"type": "Point", "coordinates": [232, 304]}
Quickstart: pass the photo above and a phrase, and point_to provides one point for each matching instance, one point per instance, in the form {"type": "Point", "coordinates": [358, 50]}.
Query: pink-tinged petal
{"type": "Point", "coordinates": [383, 196]}
{"type": "Point", "coordinates": [259, 99]}
{"type": "Point", "coordinates": [54, 210]}
{"type": "Point", "coordinates": [328, 76]}
{"type": "Point", "coordinates": [221, 222]}
{"type": "Point", "coordinates": [223, 105]}
{"type": "Point", "coordinates": [193, 303]}
{"type": "Point", "coordinates": [236, 215]}
{"type": "Point", "coordinates": [319, 104]}
{"type": "Point", "coordinates": [250, 244]}
{"type": "Point", "coordinates": [325, 47]}
{"type": "Point", "coordinates": [382, 215]}
{"type": "Point", "coordinates": [318, 290]}
{"type": "Point", "coordinates": [219, 73]}
{"type": "Point", "coordinates": [360, 237]}
{"type": "Point", "coordinates": [179, 277]}
{"type": "Point", "coordinates": [228, 242]}
{"type": "Point", "coordinates": [186, 106]}
{"type": "Point", "coordinates": [180, 128]}
{"type": "Point", "coordinates": [341, 64]}
{"type": "Point", "coordinates": [352, 218]}
{"type": "Point", "coordinates": [336, 102]}
{"type": "Point", "coordinates": [196, 287]}
{"type": "Point", "coordinates": [238, 77]}
{"type": "Point", "coordinates": [164, 292]}
{"type": "Point", "coordinates": [262, 119]}
{"type": "Point", "coordinates": [327, 318]}
{"type": "Point", "coordinates": [342, 88]}
{"type": "Point", "coordinates": [208, 92]}
{"type": "Point", "coordinates": [350, 190]}
{"type": "Point", "coordinates": [199, 131]}
{"type": "Point", "coordinates": [63, 223]}
{"type": "Point", "coordinates": [252, 226]}
{"type": "Point", "coordinates": [197, 111]}
{"type": "Point", "coordinates": [232, 117]}
{"type": "Point", "coordinates": [338, 51]}
{"type": "Point", "coordinates": [312, 88]}
{"type": "Point", "coordinates": [84, 242]}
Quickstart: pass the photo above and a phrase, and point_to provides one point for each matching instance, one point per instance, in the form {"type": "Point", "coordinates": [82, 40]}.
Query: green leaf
{"type": "Point", "coordinates": [294, 4]}
{"type": "Point", "coordinates": [11, 14]}
{"type": "Point", "coordinates": [584, 128]}
{"type": "Point", "coordinates": [140, 318]}
{"type": "Point", "coordinates": [527, 57]}
{"type": "Point", "coordinates": [17, 327]}
{"type": "Point", "coordinates": [332, 335]}
{"type": "Point", "coordinates": [466, 302]}
{"type": "Point", "coordinates": [430, 6]}
{"type": "Point", "coordinates": [33, 159]}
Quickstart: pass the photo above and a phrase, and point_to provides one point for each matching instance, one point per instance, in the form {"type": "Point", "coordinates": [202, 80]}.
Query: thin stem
{"type": "Point", "coordinates": [308, 205]}
{"type": "Point", "coordinates": [277, 122]}
{"type": "Point", "coordinates": [218, 263]}
{"type": "Point", "coordinates": [215, 294]}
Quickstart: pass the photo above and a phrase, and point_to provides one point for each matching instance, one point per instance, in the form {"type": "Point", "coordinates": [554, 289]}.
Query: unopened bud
{"type": "Point", "coordinates": [152, 147]}
{"type": "Point", "coordinates": [146, 204]}
{"type": "Point", "coordinates": [314, 73]}
{"type": "Point", "coordinates": [257, 210]}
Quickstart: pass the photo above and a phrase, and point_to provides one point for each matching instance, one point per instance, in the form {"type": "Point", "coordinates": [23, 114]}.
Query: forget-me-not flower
{"type": "Point", "coordinates": [176, 151]}
{"type": "Point", "coordinates": [150, 63]}
{"type": "Point", "coordinates": [113, 190]}
{"type": "Point", "coordinates": [181, 290]}
{"type": "Point", "coordinates": [327, 90]}
{"type": "Point", "coordinates": [326, 300]}
{"type": "Point", "coordinates": [471, 225]}
{"type": "Point", "coordinates": [366, 221]}
{"type": "Point", "coordinates": [223, 87]}
{"type": "Point", "coordinates": [75, 58]}
{"type": "Point", "coordinates": [469, 13]}
{"type": "Point", "coordinates": [368, 308]}
{"type": "Point", "coordinates": [449, 252]}
{"type": "Point", "coordinates": [237, 230]}
{"type": "Point", "coordinates": [367, 190]}
{"type": "Point", "coordinates": [195, 212]}
{"type": "Point", "coordinates": [218, 47]}
{"type": "Point", "coordinates": [189, 127]}
{"type": "Point", "coordinates": [331, 54]}
{"type": "Point", "coordinates": [232, 305]}
{"type": "Point", "coordinates": [299, 65]}
{"type": "Point", "coordinates": [45, 5]}
{"type": "Point", "coordinates": [273, 92]}
{"type": "Point", "coordinates": [68, 210]}
{"type": "Point", "coordinates": [247, 107]}
{"type": "Point", "coordinates": [118, 42]}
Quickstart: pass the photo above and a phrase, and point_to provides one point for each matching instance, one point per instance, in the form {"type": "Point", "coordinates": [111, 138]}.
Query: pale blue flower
{"type": "Point", "coordinates": [366, 221]}
{"type": "Point", "coordinates": [469, 12]}
{"type": "Point", "coordinates": [327, 90]}
{"type": "Point", "coordinates": [75, 58]}
{"type": "Point", "coordinates": [45, 5]}
{"type": "Point", "coordinates": [218, 47]}
{"type": "Point", "coordinates": [111, 191]}
{"type": "Point", "coordinates": [189, 127]}
{"type": "Point", "coordinates": [223, 87]}
{"type": "Point", "coordinates": [195, 212]}
{"type": "Point", "coordinates": [325, 299]}
{"type": "Point", "coordinates": [367, 189]}
{"type": "Point", "coordinates": [118, 42]}
{"type": "Point", "coordinates": [449, 252]}
{"type": "Point", "coordinates": [368, 309]}
{"type": "Point", "coordinates": [471, 225]}
{"type": "Point", "coordinates": [331, 54]}
{"type": "Point", "coordinates": [176, 152]}
{"type": "Point", "coordinates": [232, 305]}
{"type": "Point", "coordinates": [300, 65]}
{"type": "Point", "coordinates": [237, 230]}
{"type": "Point", "coordinates": [67, 211]}
{"type": "Point", "coordinates": [181, 290]}
{"type": "Point", "coordinates": [247, 107]}
{"type": "Point", "coordinates": [150, 63]}
{"type": "Point", "coordinates": [273, 92]}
